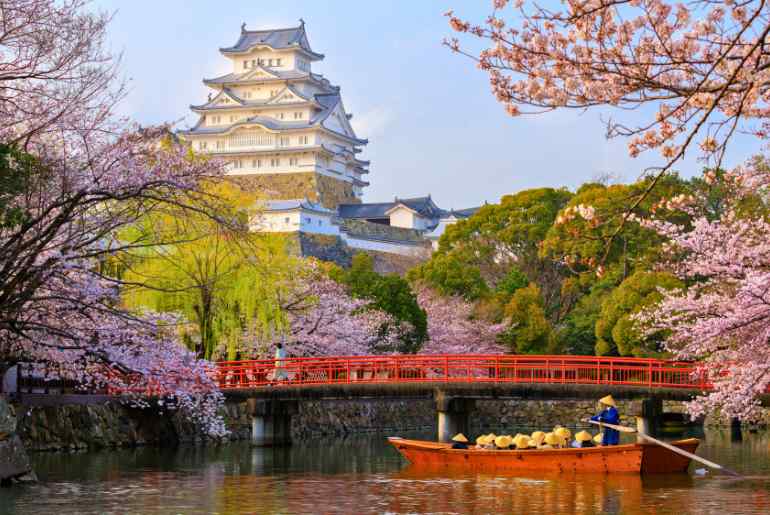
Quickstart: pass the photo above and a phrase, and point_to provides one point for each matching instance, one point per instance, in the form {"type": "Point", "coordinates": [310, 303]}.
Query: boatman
{"type": "Point", "coordinates": [609, 415]}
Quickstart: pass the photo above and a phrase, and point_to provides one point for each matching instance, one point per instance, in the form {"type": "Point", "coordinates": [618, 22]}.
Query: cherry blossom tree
{"type": "Point", "coordinates": [325, 320]}
{"type": "Point", "coordinates": [74, 178]}
{"type": "Point", "coordinates": [723, 319]}
{"type": "Point", "coordinates": [695, 73]}
{"type": "Point", "coordinates": [452, 328]}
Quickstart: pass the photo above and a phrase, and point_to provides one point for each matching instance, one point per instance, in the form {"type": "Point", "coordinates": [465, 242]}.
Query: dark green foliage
{"type": "Point", "coordinates": [389, 293]}
{"type": "Point", "coordinates": [451, 275]}
{"type": "Point", "coordinates": [616, 330]}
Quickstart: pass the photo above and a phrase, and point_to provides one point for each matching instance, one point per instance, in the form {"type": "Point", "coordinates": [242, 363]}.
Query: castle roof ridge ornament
{"type": "Point", "coordinates": [243, 27]}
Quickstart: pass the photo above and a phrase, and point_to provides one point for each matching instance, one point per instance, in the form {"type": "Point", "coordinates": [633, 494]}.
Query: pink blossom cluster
{"type": "Point", "coordinates": [702, 64]}
{"type": "Point", "coordinates": [723, 319]}
{"type": "Point", "coordinates": [452, 329]}
{"type": "Point", "coordinates": [96, 176]}
{"type": "Point", "coordinates": [327, 321]}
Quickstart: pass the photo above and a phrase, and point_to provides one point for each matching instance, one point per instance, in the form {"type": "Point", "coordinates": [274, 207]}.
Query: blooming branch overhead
{"type": "Point", "coordinates": [704, 66]}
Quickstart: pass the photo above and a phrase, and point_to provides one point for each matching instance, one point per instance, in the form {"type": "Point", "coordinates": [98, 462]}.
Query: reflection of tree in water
{"type": "Point", "coordinates": [364, 475]}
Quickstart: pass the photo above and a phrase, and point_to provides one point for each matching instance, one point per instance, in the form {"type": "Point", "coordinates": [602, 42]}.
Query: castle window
{"type": "Point", "coordinates": [202, 145]}
{"type": "Point", "coordinates": [279, 116]}
{"type": "Point", "coordinates": [278, 62]}
{"type": "Point", "coordinates": [253, 63]}
{"type": "Point", "coordinates": [270, 62]}
{"type": "Point", "coordinates": [220, 144]}
{"type": "Point", "coordinates": [275, 162]}
{"type": "Point", "coordinates": [320, 222]}
{"type": "Point", "coordinates": [293, 161]}
{"type": "Point", "coordinates": [284, 141]}
{"type": "Point", "coordinates": [286, 220]}
{"type": "Point", "coordinates": [260, 61]}
{"type": "Point", "coordinates": [273, 92]}
{"type": "Point", "coordinates": [297, 115]}
{"type": "Point", "coordinates": [245, 65]}
{"type": "Point", "coordinates": [303, 140]}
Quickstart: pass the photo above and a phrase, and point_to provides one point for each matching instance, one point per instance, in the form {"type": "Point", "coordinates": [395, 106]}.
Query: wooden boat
{"type": "Point", "coordinates": [629, 458]}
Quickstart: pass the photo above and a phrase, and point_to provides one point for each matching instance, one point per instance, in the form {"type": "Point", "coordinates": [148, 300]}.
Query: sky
{"type": "Point", "coordinates": [433, 125]}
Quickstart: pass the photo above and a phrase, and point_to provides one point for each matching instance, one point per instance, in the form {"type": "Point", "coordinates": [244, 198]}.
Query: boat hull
{"type": "Point", "coordinates": [630, 458]}
{"type": "Point", "coordinates": [615, 459]}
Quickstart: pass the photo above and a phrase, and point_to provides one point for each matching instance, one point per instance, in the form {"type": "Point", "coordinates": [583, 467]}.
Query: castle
{"type": "Point", "coordinates": [283, 130]}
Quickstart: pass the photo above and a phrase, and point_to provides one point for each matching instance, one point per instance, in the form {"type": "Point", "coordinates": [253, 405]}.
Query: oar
{"type": "Point", "coordinates": [670, 447]}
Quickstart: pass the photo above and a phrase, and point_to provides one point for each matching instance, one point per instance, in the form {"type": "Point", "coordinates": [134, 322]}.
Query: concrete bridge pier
{"type": "Point", "coordinates": [648, 417]}
{"type": "Point", "coordinates": [271, 422]}
{"type": "Point", "coordinates": [452, 416]}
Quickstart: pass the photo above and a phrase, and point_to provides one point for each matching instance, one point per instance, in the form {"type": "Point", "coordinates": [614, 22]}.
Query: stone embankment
{"type": "Point", "coordinates": [115, 425]}
{"type": "Point", "coordinates": [14, 462]}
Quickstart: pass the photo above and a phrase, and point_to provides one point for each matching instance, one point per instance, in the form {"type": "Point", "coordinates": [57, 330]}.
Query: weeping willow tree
{"type": "Point", "coordinates": [227, 282]}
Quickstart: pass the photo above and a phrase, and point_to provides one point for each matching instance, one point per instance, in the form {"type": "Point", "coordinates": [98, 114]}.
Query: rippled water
{"type": "Point", "coordinates": [364, 475]}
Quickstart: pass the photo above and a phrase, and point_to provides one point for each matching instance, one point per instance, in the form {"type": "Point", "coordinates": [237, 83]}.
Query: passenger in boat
{"type": "Point", "coordinates": [582, 439]}
{"type": "Point", "coordinates": [537, 437]}
{"type": "Point", "coordinates": [598, 439]}
{"type": "Point", "coordinates": [551, 441]}
{"type": "Point", "coordinates": [522, 443]}
{"type": "Point", "coordinates": [503, 442]}
{"type": "Point", "coordinates": [563, 433]}
{"type": "Point", "coordinates": [459, 441]}
{"type": "Point", "coordinates": [610, 415]}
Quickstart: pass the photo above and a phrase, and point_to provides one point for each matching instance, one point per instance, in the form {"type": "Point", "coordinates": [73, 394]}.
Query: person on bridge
{"type": "Point", "coordinates": [609, 415]}
{"type": "Point", "coordinates": [280, 355]}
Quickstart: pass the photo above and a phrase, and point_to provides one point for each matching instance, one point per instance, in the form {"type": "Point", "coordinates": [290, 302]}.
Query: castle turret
{"type": "Point", "coordinates": [282, 128]}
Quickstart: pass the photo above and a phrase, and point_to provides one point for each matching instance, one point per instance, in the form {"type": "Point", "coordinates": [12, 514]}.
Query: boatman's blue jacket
{"type": "Point", "coordinates": [611, 416]}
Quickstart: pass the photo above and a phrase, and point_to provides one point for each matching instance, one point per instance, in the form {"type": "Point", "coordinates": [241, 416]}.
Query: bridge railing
{"type": "Point", "coordinates": [651, 373]}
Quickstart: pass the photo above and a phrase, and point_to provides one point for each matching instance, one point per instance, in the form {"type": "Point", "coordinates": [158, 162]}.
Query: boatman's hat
{"type": "Point", "coordinates": [608, 401]}
{"type": "Point", "coordinates": [503, 442]}
{"type": "Point", "coordinates": [459, 437]}
{"type": "Point", "coordinates": [599, 438]}
{"type": "Point", "coordinates": [538, 437]}
{"type": "Point", "coordinates": [562, 432]}
{"type": "Point", "coordinates": [552, 439]}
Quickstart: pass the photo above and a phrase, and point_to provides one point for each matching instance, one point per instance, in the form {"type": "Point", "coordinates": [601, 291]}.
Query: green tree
{"type": "Point", "coordinates": [451, 274]}
{"type": "Point", "coordinates": [224, 280]}
{"type": "Point", "coordinates": [530, 332]}
{"type": "Point", "coordinates": [389, 293]}
{"type": "Point", "coordinates": [616, 330]}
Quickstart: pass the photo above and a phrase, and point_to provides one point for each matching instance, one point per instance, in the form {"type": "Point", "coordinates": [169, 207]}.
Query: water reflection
{"type": "Point", "coordinates": [364, 475]}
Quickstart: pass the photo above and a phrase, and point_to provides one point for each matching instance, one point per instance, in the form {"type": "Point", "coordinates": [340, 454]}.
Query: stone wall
{"type": "Point", "coordinates": [381, 231]}
{"type": "Point", "coordinates": [14, 462]}
{"type": "Point", "coordinates": [99, 426]}
{"type": "Point", "coordinates": [328, 191]}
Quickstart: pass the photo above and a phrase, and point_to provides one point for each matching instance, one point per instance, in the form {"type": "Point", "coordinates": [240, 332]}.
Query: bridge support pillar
{"type": "Point", "coordinates": [452, 416]}
{"type": "Point", "coordinates": [271, 422]}
{"type": "Point", "coordinates": [648, 417]}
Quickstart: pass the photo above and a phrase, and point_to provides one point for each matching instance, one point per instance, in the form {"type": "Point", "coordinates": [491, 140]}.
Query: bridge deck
{"type": "Point", "coordinates": [477, 376]}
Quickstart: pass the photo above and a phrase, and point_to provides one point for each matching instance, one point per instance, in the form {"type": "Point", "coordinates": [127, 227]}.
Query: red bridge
{"type": "Point", "coordinates": [294, 374]}
{"type": "Point", "coordinates": [455, 382]}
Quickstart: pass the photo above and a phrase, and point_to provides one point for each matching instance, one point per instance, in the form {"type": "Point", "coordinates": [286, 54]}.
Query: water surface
{"type": "Point", "coordinates": [364, 475]}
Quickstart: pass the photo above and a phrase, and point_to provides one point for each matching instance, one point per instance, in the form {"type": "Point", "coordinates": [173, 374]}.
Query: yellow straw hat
{"type": "Point", "coordinates": [563, 433]}
{"type": "Point", "coordinates": [459, 437]}
{"type": "Point", "coordinates": [608, 401]}
{"type": "Point", "coordinates": [552, 439]}
{"type": "Point", "coordinates": [522, 442]}
{"type": "Point", "coordinates": [583, 436]}
{"type": "Point", "coordinates": [598, 438]}
{"type": "Point", "coordinates": [532, 443]}
{"type": "Point", "coordinates": [481, 440]}
{"type": "Point", "coordinates": [503, 442]}
{"type": "Point", "coordinates": [538, 437]}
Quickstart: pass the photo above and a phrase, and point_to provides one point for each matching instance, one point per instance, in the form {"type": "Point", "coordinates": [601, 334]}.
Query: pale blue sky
{"type": "Point", "coordinates": [432, 124]}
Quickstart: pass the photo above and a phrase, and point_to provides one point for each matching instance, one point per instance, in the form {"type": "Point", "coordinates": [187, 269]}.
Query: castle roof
{"type": "Point", "coordinates": [424, 206]}
{"type": "Point", "coordinates": [247, 77]}
{"type": "Point", "coordinates": [294, 204]}
{"type": "Point", "coordinates": [272, 101]}
{"type": "Point", "coordinates": [276, 39]}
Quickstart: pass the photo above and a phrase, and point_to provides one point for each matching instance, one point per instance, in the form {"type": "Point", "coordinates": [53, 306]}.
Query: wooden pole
{"type": "Point", "coordinates": [670, 447]}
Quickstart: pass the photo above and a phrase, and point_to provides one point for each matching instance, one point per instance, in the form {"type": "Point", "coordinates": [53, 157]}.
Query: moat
{"type": "Point", "coordinates": [362, 474]}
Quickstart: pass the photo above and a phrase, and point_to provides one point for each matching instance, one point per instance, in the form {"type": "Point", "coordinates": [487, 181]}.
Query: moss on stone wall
{"type": "Point", "coordinates": [328, 191]}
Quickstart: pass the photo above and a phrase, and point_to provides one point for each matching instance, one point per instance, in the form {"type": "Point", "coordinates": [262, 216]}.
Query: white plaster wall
{"type": "Point", "coordinates": [402, 217]}
{"type": "Point", "coordinates": [276, 222]}
{"type": "Point", "coordinates": [318, 224]}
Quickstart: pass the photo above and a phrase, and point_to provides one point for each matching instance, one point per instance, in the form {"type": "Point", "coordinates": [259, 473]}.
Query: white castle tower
{"type": "Point", "coordinates": [282, 128]}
